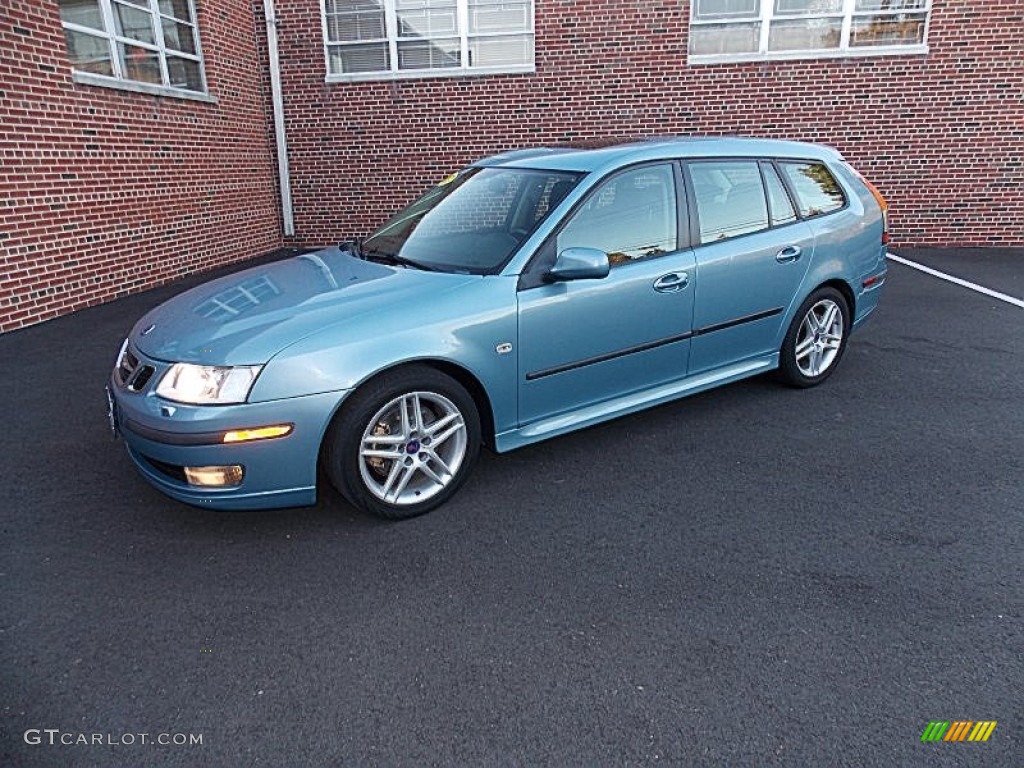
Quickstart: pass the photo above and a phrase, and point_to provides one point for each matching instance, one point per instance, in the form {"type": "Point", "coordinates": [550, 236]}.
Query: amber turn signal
{"type": "Point", "coordinates": [257, 433]}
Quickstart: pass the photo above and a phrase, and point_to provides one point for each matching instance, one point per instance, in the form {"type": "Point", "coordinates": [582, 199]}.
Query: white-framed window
{"type": "Point", "coordinates": [150, 45]}
{"type": "Point", "coordinates": [381, 39]}
{"type": "Point", "coordinates": [749, 30]}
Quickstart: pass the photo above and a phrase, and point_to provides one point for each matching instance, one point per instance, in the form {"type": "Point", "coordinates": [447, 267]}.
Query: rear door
{"type": "Point", "coordinates": [752, 252]}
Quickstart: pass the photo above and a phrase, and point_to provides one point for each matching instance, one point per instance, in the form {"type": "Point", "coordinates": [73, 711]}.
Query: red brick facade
{"type": "Point", "coordinates": [105, 192]}
{"type": "Point", "coordinates": [941, 134]}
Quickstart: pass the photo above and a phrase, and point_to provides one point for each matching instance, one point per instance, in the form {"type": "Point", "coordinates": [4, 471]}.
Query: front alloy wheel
{"type": "Point", "coordinates": [412, 448]}
{"type": "Point", "coordinates": [816, 339]}
{"type": "Point", "coordinates": [404, 443]}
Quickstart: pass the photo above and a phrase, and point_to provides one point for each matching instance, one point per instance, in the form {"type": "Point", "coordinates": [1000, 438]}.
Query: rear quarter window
{"type": "Point", "coordinates": [817, 191]}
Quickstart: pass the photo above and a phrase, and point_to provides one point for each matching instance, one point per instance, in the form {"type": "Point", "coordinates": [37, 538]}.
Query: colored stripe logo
{"type": "Point", "coordinates": [958, 730]}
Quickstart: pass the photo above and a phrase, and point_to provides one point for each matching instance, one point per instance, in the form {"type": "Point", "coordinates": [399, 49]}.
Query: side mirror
{"type": "Point", "coordinates": [579, 264]}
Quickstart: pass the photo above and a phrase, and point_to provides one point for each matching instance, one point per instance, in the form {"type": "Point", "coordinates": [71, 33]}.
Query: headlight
{"type": "Point", "coordinates": [207, 384]}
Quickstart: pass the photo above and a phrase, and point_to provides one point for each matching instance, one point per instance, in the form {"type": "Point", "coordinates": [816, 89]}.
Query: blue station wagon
{"type": "Point", "coordinates": [528, 295]}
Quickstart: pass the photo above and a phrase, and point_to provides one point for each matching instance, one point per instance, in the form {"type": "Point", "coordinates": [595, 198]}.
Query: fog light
{"type": "Point", "coordinates": [214, 476]}
{"type": "Point", "coordinates": [256, 433]}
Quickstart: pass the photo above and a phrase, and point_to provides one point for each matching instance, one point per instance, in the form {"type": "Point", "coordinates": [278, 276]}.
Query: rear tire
{"type": "Point", "coordinates": [816, 339]}
{"type": "Point", "coordinates": [404, 443]}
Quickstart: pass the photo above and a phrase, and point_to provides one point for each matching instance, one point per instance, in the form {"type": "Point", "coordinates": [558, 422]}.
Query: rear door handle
{"type": "Point", "coordinates": [672, 282]}
{"type": "Point", "coordinates": [788, 254]}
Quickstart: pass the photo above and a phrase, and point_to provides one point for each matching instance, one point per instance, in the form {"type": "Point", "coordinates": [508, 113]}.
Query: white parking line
{"type": "Point", "coordinates": [949, 278]}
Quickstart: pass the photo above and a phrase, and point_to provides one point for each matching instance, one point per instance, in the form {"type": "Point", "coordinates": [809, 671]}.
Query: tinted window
{"type": "Point", "coordinates": [631, 216]}
{"type": "Point", "coordinates": [817, 190]}
{"type": "Point", "coordinates": [730, 199]}
{"type": "Point", "coordinates": [779, 204]}
{"type": "Point", "coordinates": [472, 222]}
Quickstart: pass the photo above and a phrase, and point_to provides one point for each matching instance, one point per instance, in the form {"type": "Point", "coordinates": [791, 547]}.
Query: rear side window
{"type": "Point", "coordinates": [730, 199]}
{"type": "Point", "coordinates": [817, 190]}
{"type": "Point", "coordinates": [778, 200]}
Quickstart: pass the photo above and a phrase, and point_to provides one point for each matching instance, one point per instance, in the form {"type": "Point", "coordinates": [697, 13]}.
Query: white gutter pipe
{"type": "Point", "coordinates": [287, 216]}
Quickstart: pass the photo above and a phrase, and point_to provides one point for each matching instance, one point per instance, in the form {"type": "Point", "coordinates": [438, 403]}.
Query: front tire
{"type": "Point", "coordinates": [816, 339]}
{"type": "Point", "coordinates": [404, 443]}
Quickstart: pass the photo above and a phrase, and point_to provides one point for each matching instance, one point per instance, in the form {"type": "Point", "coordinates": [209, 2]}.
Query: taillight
{"type": "Point", "coordinates": [881, 204]}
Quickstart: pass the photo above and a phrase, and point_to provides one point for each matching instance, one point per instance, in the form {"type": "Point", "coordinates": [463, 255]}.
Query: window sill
{"type": "Point", "coordinates": [851, 53]}
{"type": "Point", "coordinates": [362, 77]}
{"type": "Point", "coordinates": [88, 78]}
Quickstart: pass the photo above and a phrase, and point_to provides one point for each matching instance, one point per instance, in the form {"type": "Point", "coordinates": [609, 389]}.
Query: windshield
{"type": "Point", "coordinates": [472, 222]}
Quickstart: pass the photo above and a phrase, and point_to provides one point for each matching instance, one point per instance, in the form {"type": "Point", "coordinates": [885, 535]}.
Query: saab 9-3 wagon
{"type": "Point", "coordinates": [528, 295]}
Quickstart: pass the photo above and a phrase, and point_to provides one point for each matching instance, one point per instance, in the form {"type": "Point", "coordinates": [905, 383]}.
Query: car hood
{"type": "Point", "coordinates": [247, 317]}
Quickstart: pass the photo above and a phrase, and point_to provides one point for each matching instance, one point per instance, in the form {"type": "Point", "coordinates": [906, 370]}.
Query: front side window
{"type": "Point", "coordinates": [370, 39]}
{"type": "Point", "coordinates": [472, 222]}
{"type": "Point", "coordinates": [151, 42]}
{"type": "Point", "coordinates": [756, 29]}
{"type": "Point", "coordinates": [631, 216]}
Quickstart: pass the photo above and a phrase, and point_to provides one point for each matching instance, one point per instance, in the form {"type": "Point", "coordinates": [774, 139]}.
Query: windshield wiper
{"type": "Point", "coordinates": [399, 261]}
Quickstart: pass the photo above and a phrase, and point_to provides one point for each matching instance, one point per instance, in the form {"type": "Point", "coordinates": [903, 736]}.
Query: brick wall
{"type": "Point", "coordinates": [941, 135]}
{"type": "Point", "coordinates": [105, 192]}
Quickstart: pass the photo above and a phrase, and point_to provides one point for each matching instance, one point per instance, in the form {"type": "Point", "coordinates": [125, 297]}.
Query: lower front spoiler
{"type": "Point", "coordinates": [223, 498]}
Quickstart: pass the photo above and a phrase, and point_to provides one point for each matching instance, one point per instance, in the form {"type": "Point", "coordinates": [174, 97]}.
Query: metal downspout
{"type": "Point", "coordinates": [287, 216]}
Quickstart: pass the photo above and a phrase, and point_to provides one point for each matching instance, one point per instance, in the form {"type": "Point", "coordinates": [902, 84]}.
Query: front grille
{"type": "Point", "coordinates": [127, 366]}
{"type": "Point", "coordinates": [140, 378]}
{"type": "Point", "coordinates": [132, 373]}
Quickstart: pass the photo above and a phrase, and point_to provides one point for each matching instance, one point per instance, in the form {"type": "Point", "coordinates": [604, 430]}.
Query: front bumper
{"type": "Point", "coordinates": [162, 437]}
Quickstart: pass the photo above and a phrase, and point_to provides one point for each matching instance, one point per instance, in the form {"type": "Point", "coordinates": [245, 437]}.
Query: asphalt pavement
{"type": "Point", "coordinates": [752, 576]}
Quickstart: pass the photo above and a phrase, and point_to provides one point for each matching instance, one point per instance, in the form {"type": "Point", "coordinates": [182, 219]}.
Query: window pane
{"type": "Point", "coordinates": [140, 64]}
{"type": "Point", "coordinates": [817, 191]}
{"type": "Point", "coordinates": [511, 50]}
{"type": "Point", "coordinates": [179, 37]}
{"type": "Point", "coordinates": [184, 73]}
{"type": "Point", "coordinates": [428, 54]}
{"type": "Point", "coordinates": [359, 58]}
{"type": "Point", "coordinates": [779, 204]}
{"type": "Point", "coordinates": [344, 6]}
{"type": "Point", "coordinates": [134, 23]}
{"type": "Point", "coordinates": [805, 35]}
{"type": "Point", "coordinates": [83, 12]}
{"type": "Point", "coordinates": [177, 8]}
{"type": "Point", "coordinates": [358, 25]}
{"type": "Point", "coordinates": [807, 7]}
{"type": "Point", "coordinates": [724, 9]}
{"type": "Point", "coordinates": [730, 199]}
{"type": "Point", "coordinates": [722, 38]}
{"type": "Point", "coordinates": [632, 216]}
{"type": "Point", "coordinates": [432, 20]}
{"type": "Point", "coordinates": [498, 17]}
{"type": "Point", "coordinates": [901, 29]}
{"type": "Point", "coordinates": [891, 5]}
{"type": "Point", "coordinates": [89, 53]}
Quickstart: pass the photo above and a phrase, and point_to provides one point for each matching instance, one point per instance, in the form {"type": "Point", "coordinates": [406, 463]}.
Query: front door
{"type": "Point", "coordinates": [585, 341]}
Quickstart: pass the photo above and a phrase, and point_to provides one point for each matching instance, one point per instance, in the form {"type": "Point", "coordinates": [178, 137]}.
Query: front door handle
{"type": "Point", "coordinates": [788, 254]}
{"type": "Point", "coordinates": [672, 282]}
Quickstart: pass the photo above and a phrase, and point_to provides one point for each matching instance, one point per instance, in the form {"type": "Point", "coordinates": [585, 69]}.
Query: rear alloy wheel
{"type": "Point", "coordinates": [816, 339]}
{"type": "Point", "coordinates": [404, 443]}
